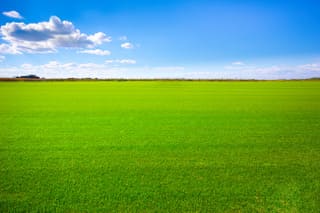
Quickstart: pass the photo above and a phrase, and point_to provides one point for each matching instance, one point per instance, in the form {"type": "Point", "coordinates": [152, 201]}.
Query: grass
{"type": "Point", "coordinates": [160, 146]}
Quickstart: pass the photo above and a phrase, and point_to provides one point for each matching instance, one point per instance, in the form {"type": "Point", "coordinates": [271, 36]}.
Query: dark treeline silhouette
{"type": "Point", "coordinates": [31, 76]}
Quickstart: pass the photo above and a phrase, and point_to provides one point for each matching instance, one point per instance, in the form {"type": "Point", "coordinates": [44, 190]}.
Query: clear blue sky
{"type": "Point", "coordinates": [177, 38]}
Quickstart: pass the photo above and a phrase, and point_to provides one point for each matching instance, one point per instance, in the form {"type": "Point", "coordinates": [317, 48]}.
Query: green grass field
{"type": "Point", "coordinates": [160, 146]}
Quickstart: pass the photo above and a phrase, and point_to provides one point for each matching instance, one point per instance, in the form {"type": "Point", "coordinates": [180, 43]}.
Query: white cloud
{"type": "Point", "coordinates": [238, 63]}
{"type": "Point", "coordinates": [44, 37]}
{"type": "Point", "coordinates": [109, 61]}
{"type": "Point", "coordinates": [91, 66]}
{"type": "Point", "coordinates": [253, 69]}
{"type": "Point", "coordinates": [2, 57]}
{"type": "Point", "coordinates": [310, 67]}
{"type": "Point", "coordinates": [121, 61]}
{"type": "Point", "coordinates": [62, 67]}
{"type": "Point", "coordinates": [99, 38]}
{"type": "Point", "coordinates": [123, 38]}
{"type": "Point", "coordinates": [56, 69]}
{"type": "Point", "coordinates": [118, 69]}
{"type": "Point", "coordinates": [8, 49]}
{"type": "Point", "coordinates": [51, 65]}
{"type": "Point", "coordinates": [12, 14]}
{"type": "Point", "coordinates": [26, 66]}
{"type": "Point", "coordinates": [127, 61]}
{"type": "Point", "coordinates": [96, 52]}
{"type": "Point", "coordinates": [127, 45]}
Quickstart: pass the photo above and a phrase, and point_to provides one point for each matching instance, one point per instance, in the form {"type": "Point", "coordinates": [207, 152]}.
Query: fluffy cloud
{"type": "Point", "coordinates": [12, 14]}
{"type": "Point", "coordinates": [121, 61]}
{"type": "Point", "coordinates": [7, 49]}
{"type": "Point", "coordinates": [127, 45]}
{"type": "Point", "coordinates": [310, 67]}
{"type": "Point", "coordinates": [48, 36]}
{"type": "Point", "coordinates": [96, 52]}
{"type": "Point", "coordinates": [127, 61]}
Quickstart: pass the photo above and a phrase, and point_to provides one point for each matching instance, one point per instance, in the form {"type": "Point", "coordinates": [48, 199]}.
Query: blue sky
{"type": "Point", "coordinates": [160, 39]}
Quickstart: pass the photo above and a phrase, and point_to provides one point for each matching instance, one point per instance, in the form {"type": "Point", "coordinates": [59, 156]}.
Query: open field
{"type": "Point", "coordinates": [160, 146]}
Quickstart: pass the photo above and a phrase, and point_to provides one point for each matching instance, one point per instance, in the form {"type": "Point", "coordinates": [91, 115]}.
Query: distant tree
{"type": "Point", "coordinates": [29, 76]}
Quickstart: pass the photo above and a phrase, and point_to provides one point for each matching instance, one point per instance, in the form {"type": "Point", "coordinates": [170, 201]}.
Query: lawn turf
{"type": "Point", "coordinates": [160, 146]}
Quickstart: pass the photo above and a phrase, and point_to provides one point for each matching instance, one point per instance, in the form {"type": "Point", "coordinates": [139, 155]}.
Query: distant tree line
{"type": "Point", "coordinates": [29, 76]}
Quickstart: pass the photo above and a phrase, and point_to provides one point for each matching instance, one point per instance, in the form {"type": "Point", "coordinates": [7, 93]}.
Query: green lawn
{"type": "Point", "coordinates": [160, 146]}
